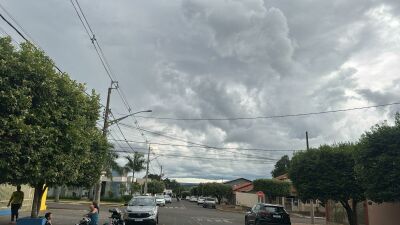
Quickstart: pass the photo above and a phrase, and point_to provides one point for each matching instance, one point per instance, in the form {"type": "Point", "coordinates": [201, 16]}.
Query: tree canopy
{"type": "Point", "coordinates": [48, 133]}
{"type": "Point", "coordinates": [281, 167]}
{"type": "Point", "coordinates": [216, 190]}
{"type": "Point", "coordinates": [272, 188]}
{"type": "Point", "coordinates": [156, 186]}
{"type": "Point", "coordinates": [378, 162]}
{"type": "Point", "coordinates": [327, 173]}
{"type": "Point", "coordinates": [136, 163]}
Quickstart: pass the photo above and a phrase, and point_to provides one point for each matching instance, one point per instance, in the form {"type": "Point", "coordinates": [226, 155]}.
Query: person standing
{"type": "Point", "coordinates": [16, 201]}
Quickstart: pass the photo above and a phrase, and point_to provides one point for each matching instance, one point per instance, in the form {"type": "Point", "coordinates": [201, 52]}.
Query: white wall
{"type": "Point", "coordinates": [246, 199]}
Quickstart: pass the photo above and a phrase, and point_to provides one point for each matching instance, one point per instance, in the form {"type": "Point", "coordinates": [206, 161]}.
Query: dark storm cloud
{"type": "Point", "coordinates": [231, 58]}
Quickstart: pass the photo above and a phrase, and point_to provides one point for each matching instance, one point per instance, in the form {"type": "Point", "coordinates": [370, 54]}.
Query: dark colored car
{"type": "Point", "coordinates": [267, 214]}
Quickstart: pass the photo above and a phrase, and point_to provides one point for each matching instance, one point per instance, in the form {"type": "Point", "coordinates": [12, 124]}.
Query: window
{"type": "Point", "coordinates": [273, 209]}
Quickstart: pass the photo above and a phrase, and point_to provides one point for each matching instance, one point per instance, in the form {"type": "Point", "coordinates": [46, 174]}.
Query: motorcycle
{"type": "Point", "coordinates": [116, 217]}
{"type": "Point", "coordinates": [84, 221]}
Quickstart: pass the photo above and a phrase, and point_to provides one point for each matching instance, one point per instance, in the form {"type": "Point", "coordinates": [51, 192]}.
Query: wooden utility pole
{"type": "Point", "coordinates": [147, 171]}
{"type": "Point", "coordinates": [97, 187]}
{"type": "Point", "coordinates": [312, 201]}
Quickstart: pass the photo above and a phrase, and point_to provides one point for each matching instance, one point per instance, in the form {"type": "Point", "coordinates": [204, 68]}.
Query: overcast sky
{"type": "Point", "coordinates": [229, 58]}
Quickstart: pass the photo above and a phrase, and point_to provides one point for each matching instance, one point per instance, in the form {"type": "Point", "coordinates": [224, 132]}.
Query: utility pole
{"type": "Point", "coordinates": [312, 200]}
{"type": "Point", "coordinates": [147, 171]}
{"type": "Point", "coordinates": [161, 175]}
{"type": "Point", "coordinates": [97, 192]}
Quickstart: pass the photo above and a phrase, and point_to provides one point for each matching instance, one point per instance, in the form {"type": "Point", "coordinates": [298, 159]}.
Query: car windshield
{"type": "Point", "coordinates": [159, 197]}
{"type": "Point", "coordinates": [142, 202]}
{"type": "Point", "coordinates": [209, 199]}
{"type": "Point", "coordinates": [167, 196]}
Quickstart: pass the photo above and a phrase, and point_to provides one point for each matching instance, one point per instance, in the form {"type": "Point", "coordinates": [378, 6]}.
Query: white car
{"type": "Point", "coordinates": [187, 198]}
{"type": "Point", "coordinates": [209, 203]}
{"type": "Point", "coordinates": [168, 199]}
{"type": "Point", "coordinates": [200, 200]}
{"type": "Point", "coordinates": [193, 199]}
{"type": "Point", "coordinates": [160, 200]}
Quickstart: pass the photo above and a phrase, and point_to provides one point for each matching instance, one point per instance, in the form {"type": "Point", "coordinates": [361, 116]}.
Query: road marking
{"type": "Point", "coordinates": [210, 220]}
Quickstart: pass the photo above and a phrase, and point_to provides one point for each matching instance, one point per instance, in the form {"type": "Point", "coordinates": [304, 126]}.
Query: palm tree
{"type": "Point", "coordinates": [135, 164]}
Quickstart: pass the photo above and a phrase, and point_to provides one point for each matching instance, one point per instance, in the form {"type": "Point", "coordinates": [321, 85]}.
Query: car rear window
{"type": "Point", "coordinates": [209, 199]}
{"type": "Point", "coordinates": [273, 209]}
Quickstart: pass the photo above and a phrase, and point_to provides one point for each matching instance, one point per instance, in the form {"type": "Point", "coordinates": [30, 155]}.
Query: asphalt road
{"type": "Point", "coordinates": [177, 213]}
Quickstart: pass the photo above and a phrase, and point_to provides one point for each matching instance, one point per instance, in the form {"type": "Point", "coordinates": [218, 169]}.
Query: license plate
{"type": "Point", "coordinates": [139, 220]}
{"type": "Point", "coordinates": [276, 216]}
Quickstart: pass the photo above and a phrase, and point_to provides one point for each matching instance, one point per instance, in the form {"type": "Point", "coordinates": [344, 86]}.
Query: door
{"type": "Point", "coordinates": [251, 217]}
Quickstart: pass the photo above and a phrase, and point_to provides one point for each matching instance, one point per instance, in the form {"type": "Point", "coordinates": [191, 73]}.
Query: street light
{"type": "Point", "coordinates": [106, 125]}
{"type": "Point", "coordinates": [119, 119]}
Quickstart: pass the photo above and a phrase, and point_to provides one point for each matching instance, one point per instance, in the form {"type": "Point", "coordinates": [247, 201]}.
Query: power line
{"type": "Point", "coordinates": [209, 147]}
{"type": "Point", "coordinates": [249, 156]}
{"type": "Point", "coordinates": [271, 117]}
{"type": "Point", "coordinates": [183, 140]}
{"type": "Point", "coordinates": [208, 158]}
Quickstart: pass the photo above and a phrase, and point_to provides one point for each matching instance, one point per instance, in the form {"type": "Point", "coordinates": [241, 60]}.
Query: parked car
{"type": "Point", "coordinates": [187, 198]}
{"type": "Point", "coordinates": [200, 201]}
{"type": "Point", "coordinates": [141, 209]}
{"type": "Point", "coordinates": [209, 203]}
{"type": "Point", "coordinates": [267, 214]}
{"type": "Point", "coordinates": [193, 199]}
{"type": "Point", "coordinates": [160, 200]}
{"type": "Point", "coordinates": [168, 199]}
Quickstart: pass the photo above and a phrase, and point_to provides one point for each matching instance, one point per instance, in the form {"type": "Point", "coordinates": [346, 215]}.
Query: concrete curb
{"type": "Point", "coordinates": [227, 210]}
{"type": "Point", "coordinates": [308, 217]}
{"type": "Point", "coordinates": [82, 202]}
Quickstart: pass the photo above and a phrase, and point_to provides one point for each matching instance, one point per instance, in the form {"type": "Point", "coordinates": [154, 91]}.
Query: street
{"type": "Point", "coordinates": [177, 213]}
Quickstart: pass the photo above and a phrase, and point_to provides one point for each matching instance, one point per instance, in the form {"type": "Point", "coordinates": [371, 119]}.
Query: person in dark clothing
{"type": "Point", "coordinates": [47, 216]}
{"type": "Point", "coordinates": [16, 201]}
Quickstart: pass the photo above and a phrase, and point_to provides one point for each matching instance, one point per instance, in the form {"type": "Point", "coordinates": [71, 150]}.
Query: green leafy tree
{"type": "Point", "coordinates": [281, 167]}
{"type": "Point", "coordinates": [156, 186]}
{"type": "Point", "coordinates": [378, 162]}
{"type": "Point", "coordinates": [173, 185]}
{"type": "Point", "coordinates": [327, 173]}
{"type": "Point", "coordinates": [272, 188]}
{"type": "Point", "coordinates": [194, 191]}
{"type": "Point", "coordinates": [48, 133]}
{"type": "Point", "coordinates": [135, 188]}
{"type": "Point", "coordinates": [216, 190]}
{"type": "Point", "coordinates": [135, 164]}
{"type": "Point", "coordinates": [154, 177]}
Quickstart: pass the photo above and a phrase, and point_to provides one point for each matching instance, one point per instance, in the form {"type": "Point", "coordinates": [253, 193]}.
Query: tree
{"type": "Point", "coordinates": [48, 133]}
{"type": "Point", "coordinates": [378, 162]}
{"type": "Point", "coordinates": [194, 191]}
{"type": "Point", "coordinates": [135, 188]}
{"type": "Point", "coordinates": [173, 185]}
{"type": "Point", "coordinates": [154, 177]}
{"type": "Point", "coordinates": [272, 188]}
{"type": "Point", "coordinates": [217, 190]}
{"type": "Point", "coordinates": [156, 186]}
{"type": "Point", "coordinates": [327, 173]}
{"type": "Point", "coordinates": [135, 164]}
{"type": "Point", "coordinates": [281, 167]}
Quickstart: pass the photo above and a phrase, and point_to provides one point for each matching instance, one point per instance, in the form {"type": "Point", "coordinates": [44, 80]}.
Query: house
{"type": "Point", "coordinates": [237, 181]}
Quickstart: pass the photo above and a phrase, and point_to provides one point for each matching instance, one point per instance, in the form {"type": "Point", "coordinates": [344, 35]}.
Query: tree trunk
{"type": "Point", "coordinates": [37, 199]}
{"type": "Point", "coordinates": [133, 181]}
{"type": "Point", "coordinates": [351, 213]}
{"type": "Point", "coordinates": [57, 192]}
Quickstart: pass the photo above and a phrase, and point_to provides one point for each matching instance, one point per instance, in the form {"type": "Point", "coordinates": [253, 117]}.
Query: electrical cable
{"type": "Point", "coordinates": [209, 147]}
{"type": "Point", "coordinates": [271, 117]}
